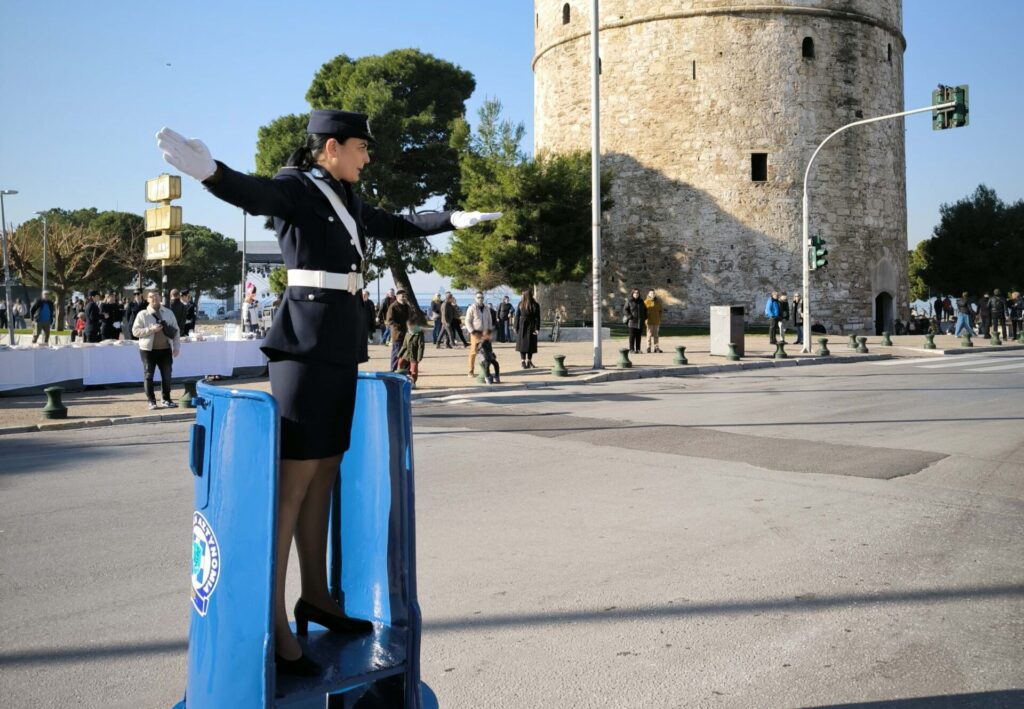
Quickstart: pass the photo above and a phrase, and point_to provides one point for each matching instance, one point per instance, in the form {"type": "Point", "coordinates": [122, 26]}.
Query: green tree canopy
{"type": "Point", "coordinates": [413, 100]}
{"type": "Point", "coordinates": [978, 245]}
{"type": "Point", "coordinates": [210, 262]}
{"type": "Point", "coordinates": [916, 263]}
{"type": "Point", "coordinates": [544, 235]}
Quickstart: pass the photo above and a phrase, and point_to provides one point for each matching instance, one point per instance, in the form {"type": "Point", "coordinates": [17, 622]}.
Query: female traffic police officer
{"type": "Point", "coordinates": [318, 336]}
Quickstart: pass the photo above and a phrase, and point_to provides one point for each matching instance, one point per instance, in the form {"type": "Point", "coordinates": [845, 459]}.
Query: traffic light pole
{"type": "Point", "coordinates": [805, 241]}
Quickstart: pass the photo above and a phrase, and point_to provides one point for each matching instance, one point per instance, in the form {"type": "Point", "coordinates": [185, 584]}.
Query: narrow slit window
{"type": "Point", "coordinates": [889, 53]}
{"type": "Point", "coordinates": [808, 48]}
{"type": "Point", "coordinates": [536, 19]}
{"type": "Point", "coordinates": [693, 69]}
{"type": "Point", "coordinates": [565, 14]}
{"type": "Point", "coordinates": [759, 167]}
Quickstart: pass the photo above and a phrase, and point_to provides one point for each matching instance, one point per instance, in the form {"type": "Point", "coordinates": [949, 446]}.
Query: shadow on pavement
{"type": "Point", "coordinates": [981, 700]}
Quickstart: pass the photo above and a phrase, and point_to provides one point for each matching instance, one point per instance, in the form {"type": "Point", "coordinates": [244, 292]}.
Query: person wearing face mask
{"type": "Point", "coordinates": [318, 336]}
{"type": "Point", "coordinates": [478, 320]}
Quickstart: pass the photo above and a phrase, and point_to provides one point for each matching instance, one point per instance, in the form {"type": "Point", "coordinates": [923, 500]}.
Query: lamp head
{"type": "Point", "coordinates": [8, 191]}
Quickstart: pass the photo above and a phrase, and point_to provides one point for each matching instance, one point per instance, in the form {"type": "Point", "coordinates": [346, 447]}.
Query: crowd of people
{"type": "Point", "coordinates": [396, 323]}
{"type": "Point", "coordinates": [990, 313]}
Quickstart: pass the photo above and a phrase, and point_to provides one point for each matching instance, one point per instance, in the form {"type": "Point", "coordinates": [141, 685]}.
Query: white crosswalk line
{"type": "Point", "coordinates": [1015, 365]}
{"type": "Point", "coordinates": [914, 360]}
{"type": "Point", "coordinates": [959, 361]}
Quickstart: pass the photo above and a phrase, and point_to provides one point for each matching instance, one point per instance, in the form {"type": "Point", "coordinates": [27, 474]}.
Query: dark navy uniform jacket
{"type": "Point", "coordinates": [317, 323]}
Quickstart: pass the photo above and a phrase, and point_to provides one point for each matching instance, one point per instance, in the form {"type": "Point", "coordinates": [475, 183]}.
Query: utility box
{"type": "Point", "coordinates": [726, 327]}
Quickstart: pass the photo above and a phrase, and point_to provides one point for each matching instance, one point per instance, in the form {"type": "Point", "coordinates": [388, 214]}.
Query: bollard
{"type": "Point", "coordinates": [995, 341]}
{"type": "Point", "coordinates": [680, 357]}
{"type": "Point", "coordinates": [624, 362]}
{"type": "Point", "coordinates": [780, 350]}
{"type": "Point", "coordinates": [481, 373]}
{"type": "Point", "coordinates": [54, 408]}
{"type": "Point", "coordinates": [965, 340]}
{"type": "Point", "coordinates": [853, 342]}
{"type": "Point", "coordinates": [187, 400]}
{"type": "Point", "coordinates": [886, 342]}
{"type": "Point", "coordinates": [1020, 336]}
{"type": "Point", "coordinates": [732, 356]}
{"type": "Point", "coordinates": [929, 341]}
{"type": "Point", "coordinates": [862, 345]}
{"type": "Point", "coordinates": [559, 369]}
{"type": "Point", "coordinates": [823, 347]}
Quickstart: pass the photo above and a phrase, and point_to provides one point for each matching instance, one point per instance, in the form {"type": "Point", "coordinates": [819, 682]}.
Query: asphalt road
{"type": "Point", "coordinates": [807, 536]}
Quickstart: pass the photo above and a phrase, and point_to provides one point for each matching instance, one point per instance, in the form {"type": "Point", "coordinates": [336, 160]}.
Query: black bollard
{"type": "Point", "coordinates": [780, 351]}
{"type": "Point", "coordinates": [886, 342]}
{"type": "Point", "coordinates": [823, 347]}
{"type": "Point", "coordinates": [680, 357]}
{"type": "Point", "coordinates": [188, 396]}
{"type": "Point", "coordinates": [732, 356]}
{"type": "Point", "coordinates": [862, 345]}
{"type": "Point", "coordinates": [853, 342]}
{"type": "Point", "coordinates": [929, 341]}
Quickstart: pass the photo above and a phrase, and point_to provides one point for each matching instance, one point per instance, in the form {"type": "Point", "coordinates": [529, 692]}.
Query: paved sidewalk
{"type": "Point", "coordinates": [444, 372]}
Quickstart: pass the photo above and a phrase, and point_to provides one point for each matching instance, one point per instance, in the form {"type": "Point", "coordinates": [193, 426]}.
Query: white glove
{"type": "Point", "coordinates": [461, 220]}
{"type": "Point", "coordinates": [190, 156]}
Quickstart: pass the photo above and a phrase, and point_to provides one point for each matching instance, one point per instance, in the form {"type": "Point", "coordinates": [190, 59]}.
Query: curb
{"type": "Point", "coordinates": [585, 377]}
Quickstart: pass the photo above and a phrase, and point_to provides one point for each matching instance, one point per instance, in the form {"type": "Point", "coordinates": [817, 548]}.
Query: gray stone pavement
{"type": "Point", "coordinates": [445, 370]}
{"type": "Point", "coordinates": [784, 537]}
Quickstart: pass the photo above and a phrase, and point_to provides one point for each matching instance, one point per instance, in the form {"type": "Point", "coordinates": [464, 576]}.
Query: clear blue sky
{"type": "Point", "coordinates": [85, 85]}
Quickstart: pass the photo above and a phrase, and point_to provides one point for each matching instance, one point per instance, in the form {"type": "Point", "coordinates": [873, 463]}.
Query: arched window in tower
{"type": "Point", "coordinates": [565, 14]}
{"type": "Point", "coordinates": [808, 48]}
{"type": "Point", "coordinates": [889, 52]}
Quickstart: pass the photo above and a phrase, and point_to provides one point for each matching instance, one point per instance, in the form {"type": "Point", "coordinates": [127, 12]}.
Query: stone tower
{"type": "Point", "coordinates": [710, 110]}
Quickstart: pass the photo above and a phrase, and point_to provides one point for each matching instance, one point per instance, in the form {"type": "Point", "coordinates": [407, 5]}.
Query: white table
{"type": "Point", "coordinates": [121, 364]}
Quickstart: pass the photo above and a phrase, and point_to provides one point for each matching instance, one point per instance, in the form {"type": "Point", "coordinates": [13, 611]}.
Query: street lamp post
{"type": "Point", "coordinates": [7, 266]}
{"type": "Point", "coordinates": [805, 241]}
{"type": "Point", "coordinates": [45, 249]}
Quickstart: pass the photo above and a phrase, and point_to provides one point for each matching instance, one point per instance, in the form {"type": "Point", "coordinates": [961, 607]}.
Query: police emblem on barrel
{"type": "Point", "coordinates": [205, 563]}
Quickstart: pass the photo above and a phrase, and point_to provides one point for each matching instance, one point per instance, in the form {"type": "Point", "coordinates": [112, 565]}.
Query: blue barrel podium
{"type": "Point", "coordinates": [371, 549]}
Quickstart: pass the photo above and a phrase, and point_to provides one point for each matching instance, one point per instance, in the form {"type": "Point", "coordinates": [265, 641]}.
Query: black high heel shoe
{"type": "Point", "coordinates": [305, 612]}
{"type": "Point", "coordinates": [301, 666]}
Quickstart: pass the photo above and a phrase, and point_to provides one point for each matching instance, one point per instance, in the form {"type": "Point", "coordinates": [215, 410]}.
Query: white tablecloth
{"type": "Point", "coordinates": [121, 364]}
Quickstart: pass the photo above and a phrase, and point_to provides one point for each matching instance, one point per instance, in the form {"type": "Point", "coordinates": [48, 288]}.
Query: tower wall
{"type": "Point", "coordinates": [689, 91]}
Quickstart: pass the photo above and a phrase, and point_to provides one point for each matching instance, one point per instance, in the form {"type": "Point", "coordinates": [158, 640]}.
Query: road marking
{"type": "Point", "coordinates": [1016, 365]}
{"type": "Point", "coordinates": [915, 360]}
{"type": "Point", "coordinates": [961, 361]}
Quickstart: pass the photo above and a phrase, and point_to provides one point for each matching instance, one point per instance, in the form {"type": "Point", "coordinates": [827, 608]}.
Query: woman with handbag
{"type": "Point", "coordinates": [159, 342]}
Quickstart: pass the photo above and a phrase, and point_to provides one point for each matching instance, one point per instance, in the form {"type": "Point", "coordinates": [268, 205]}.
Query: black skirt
{"type": "Point", "coordinates": [316, 401]}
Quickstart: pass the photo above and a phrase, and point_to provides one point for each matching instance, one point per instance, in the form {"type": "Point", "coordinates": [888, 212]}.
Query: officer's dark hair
{"type": "Point", "coordinates": [305, 157]}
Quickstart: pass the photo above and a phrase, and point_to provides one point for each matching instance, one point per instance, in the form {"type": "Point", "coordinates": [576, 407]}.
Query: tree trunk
{"type": "Point", "coordinates": [398, 274]}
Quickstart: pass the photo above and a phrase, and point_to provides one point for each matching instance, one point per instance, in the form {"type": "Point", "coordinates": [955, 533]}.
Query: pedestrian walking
{"type": "Point", "coordinates": [435, 316]}
{"type": "Point", "coordinates": [382, 316]}
{"type": "Point", "coordinates": [318, 337]}
{"type": "Point", "coordinates": [783, 316]}
{"type": "Point", "coordinates": [963, 315]}
{"type": "Point", "coordinates": [43, 312]}
{"type": "Point", "coordinates": [997, 312]}
{"type": "Point", "coordinates": [159, 343]}
{"type": "Point", "coordinates": [527, 328]}
{"type": "Point", "coordinates": [1016, 308]}
{"type": "Point", "coordinates": [449, 314]}
{"type": "Point", "coordinates": [397, 320]}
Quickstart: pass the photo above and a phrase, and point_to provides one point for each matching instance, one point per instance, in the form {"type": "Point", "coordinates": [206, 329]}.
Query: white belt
{"type": "Point", "coordinates": [352, 282]}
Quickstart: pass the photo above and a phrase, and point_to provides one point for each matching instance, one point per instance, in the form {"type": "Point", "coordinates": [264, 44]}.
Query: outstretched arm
{"type": "Point", "coordinates": [256, 195]}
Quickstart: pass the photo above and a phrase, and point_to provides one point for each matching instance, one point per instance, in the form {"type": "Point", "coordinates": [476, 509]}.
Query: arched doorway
{"type": "Point", "coordinates": [883, 313]}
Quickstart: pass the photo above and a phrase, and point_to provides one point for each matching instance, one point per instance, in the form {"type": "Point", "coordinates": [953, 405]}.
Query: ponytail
{"type": "Point", "coordinates": [306, 155]}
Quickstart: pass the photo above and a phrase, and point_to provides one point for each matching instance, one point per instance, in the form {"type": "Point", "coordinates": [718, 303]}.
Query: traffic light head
{"type": "Point", "coordinates": [953, 116]}
{"type": "Point", "coordinates": [818, 256]}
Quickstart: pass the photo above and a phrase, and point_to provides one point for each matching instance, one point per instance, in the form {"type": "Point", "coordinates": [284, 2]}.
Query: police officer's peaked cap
{"type": "Point", "coordinates": [343, 124]}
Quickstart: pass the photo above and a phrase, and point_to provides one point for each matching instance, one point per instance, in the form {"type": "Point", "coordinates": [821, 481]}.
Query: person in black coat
{"type": "Point", "coordinates": [634, 314]}
{"type": "Point", "coordinates": [111, 314]}
{"type": "Point", "coordinates": [527, 328]}
{"type": "Point", "coordinates": [132, 308]}
{"type": "Point", "coordinates": [93, 318]}
{"type": "Point", "coordinates": [505, 312]}
{"type": "Point", "coordinates": [371, 315]}
{"type": "Point", "coordinates": [188, 313]}
{"type": "Point", "coordinates": [319, 333]}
